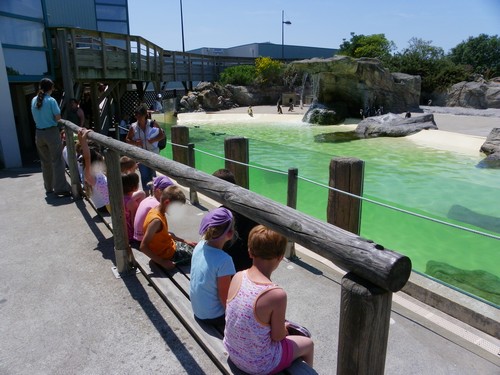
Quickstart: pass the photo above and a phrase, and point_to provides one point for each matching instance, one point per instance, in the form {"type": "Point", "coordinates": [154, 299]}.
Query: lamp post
{"type": "Point", "coordinates": [182, 28]}
{"type": "Point", "coordinates": [283, 23]}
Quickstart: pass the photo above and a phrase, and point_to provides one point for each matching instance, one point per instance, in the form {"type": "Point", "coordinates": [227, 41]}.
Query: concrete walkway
{"type": "Point", "coordinates": [62, 311]}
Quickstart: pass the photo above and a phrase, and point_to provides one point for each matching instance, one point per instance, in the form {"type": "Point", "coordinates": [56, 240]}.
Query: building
{"type": "Point", "coordinates": [26, 57]}
{"type": "Point", "coordinates": [275, 51]}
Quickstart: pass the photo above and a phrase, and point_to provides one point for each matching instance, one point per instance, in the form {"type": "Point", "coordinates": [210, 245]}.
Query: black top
{"type": "Point", "coordinates": [238, 248]}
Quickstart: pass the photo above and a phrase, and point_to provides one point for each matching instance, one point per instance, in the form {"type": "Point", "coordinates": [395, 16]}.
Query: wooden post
{"type": "Point", "coordinates": [291, 201]}
{"type": "Point", "coordinates": [67, 74]}
{"type": "Point", "coordinates": [76, 186]}
{"type": "Point", "coordinates": [96, 112]}
{"type": "Point", "coordinates": [104, 58]}
{"type": "Point", "coordinates": [193, 195]}
{"type": "Point", "coordinates": [236, 148]}
{"type": "Point", "coordinates": [365, 311]}
{"type": "Point", "coordinates": [123, 253]}
{"type": "Point", "coordinates": [180, 136]}
{"type": "Point", "coordinates": [344, 211]}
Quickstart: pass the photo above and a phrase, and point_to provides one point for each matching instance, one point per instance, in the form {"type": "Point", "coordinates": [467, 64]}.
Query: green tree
{"type": "Point", "coordinates": [243, 75]}
{"type": "Point", "coordinates": [482, 53]}
{"type": "Point", "coordinates": [430, 63]}
{"type": "Point", "coordinates": [268, 71]}
{"type": "Point", "coordinates": [375, 45]}
{"type": "Point", "coordinates": [419, 58]}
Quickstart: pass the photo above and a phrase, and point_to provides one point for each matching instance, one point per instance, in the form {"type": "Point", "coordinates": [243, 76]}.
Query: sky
{"type": "Point", "coordinates": [315, 23]}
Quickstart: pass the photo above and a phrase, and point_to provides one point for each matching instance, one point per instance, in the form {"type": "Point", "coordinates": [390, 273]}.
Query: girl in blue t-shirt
{"type": "Point", "coordinates": [212, 268]}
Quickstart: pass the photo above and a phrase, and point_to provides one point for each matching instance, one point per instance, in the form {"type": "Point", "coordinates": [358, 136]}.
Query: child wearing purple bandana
{"type": "Point", "coordinates": [212, 268]}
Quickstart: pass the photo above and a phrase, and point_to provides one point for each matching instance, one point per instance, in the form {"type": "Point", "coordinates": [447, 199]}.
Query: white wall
{"type": "Point", "coordinates": [10, 156]}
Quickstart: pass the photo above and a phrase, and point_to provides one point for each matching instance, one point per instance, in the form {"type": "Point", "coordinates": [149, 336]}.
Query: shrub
{"type": "Point", "coordinates": [268, 71]}
{"type": "Point", "coordinates": [242, 75]}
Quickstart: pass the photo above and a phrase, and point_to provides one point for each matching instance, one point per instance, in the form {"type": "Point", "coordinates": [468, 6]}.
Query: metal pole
{"type": "Point", "coordinates": [282, 34]}
{"type": "Point", "coordinates": [283, 23]}
{"type": "Point", "coordinates": [182, 28]}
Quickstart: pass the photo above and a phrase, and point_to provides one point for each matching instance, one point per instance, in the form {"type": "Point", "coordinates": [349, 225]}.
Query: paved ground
{"type": "Point", "coordinates": [61, 309]}
{"type": "Point", "coordinates": [63, 312]}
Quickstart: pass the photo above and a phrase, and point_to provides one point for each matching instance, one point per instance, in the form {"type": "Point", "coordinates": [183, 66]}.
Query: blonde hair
{"type": "Point", "coordinates": [174, 194]}
{"type": "Point", "coordinates": [266, 244]}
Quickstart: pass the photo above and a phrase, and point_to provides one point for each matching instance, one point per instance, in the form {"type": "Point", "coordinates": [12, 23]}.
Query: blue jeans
{"type": "Point", "coordinates": [147, 175]}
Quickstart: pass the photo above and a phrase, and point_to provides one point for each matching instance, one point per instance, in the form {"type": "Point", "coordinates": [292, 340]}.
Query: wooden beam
{"type": "Point", "coordinates": [382, 267]}
{"type": "Point", "coordinates": [67, 74]}
{"type": "Point", "coordinates": [365, 311]}
{"type": "Point", "coordinates": [180, 136]}
{"type": "Point", "coordinates": [123, 253]}
{"type": "Point", "coordinates": [291, 201]}
{"type": "Point", "coordinates": [236, 148]}
{"type": "Point", "coordinates": [344, 211]}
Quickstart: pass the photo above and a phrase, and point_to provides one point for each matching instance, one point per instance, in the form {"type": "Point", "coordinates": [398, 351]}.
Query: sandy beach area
{"type": "Point", "coordinates": [461, 130]}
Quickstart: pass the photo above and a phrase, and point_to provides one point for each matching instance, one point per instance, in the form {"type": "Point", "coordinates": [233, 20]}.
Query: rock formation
{"type": "Point", "coordinates": [478, 282]}
{"type": "Point", "coordinates": [360, 84]}
{"type": "Point", "coordinates": [480, 94]}
{"type": "Point", "coordinates": [391, 125]}
{"type": "Point", "coordinates": [207, 96]}
{"type": "Point", "coordinates": [214, 97]}
{"type": "Point", "coordinates": [321, 115]}
{"type": "Point", "coordinates": [491, 147]}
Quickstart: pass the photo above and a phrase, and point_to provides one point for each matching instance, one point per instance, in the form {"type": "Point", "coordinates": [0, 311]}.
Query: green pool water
{"type": "Point", "coordinates": [440, 184]}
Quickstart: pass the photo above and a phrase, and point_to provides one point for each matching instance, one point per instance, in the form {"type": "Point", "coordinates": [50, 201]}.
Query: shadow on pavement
{"type": "Point", "coordinates": [170, 337]}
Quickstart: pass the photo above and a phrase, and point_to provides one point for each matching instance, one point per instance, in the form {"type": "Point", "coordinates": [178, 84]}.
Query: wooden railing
{"type": "Point", "coordinates": [94, 55]}
{"type": "Point", "coordinates": [373, 272]}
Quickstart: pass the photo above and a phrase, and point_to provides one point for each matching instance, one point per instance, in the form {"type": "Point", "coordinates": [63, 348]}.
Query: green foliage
{"type": "Point", "coordinates": [375, 46]}
{"type": "Point", "coordinates": [12, 72]}
{"type": "Point", "coordinates": [430, 63]}
{"type": "Point", "coordinates": [292, 76]}
{"type": "Point", "coordinates": [448, 74]}
{"type": "Point", "coordinates": [265, 72]}
{"type": "Point", "coordinates": [268, 71]}
{"type": "Point", "coordinates": [482, 53]}
{"type": "Point", "coordinates": [243, 75]}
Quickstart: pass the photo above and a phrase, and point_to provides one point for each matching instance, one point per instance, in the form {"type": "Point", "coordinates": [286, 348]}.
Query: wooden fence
{"type": "Point", "coordinates": [373, 272]}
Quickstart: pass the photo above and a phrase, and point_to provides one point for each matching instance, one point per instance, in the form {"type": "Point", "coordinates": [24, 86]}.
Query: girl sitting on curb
{"type": "Point", "coordinates": [256, 335]}
{"type": "Point", "coordinates": [212, 268]}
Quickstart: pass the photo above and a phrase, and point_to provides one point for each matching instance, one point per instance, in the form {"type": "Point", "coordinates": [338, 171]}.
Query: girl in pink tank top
{"type": "Point", "coordinates": [131, 199]}
{"type": "Point", "coordinates": [256, 337]}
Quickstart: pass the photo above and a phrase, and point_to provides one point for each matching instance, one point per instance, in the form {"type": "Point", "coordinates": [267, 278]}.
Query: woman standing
{"type": "Point", "coordinates": [143, 134]}
{"type": "Point", "coordinates": [46, 114]}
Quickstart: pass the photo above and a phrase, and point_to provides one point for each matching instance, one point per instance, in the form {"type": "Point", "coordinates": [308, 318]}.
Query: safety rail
{"type": "Point", "coordinates": [331, 188]}
{"type": "Point", "coordinates": [373, 272]}
{"type": "Point", "coordinates": [95, 55]}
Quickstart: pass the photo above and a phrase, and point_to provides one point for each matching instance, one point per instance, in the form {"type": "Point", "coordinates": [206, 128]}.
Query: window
{"type": "Point", "coordinates": [27, 8]}
{"type": "Point", "coordinates": [105, 12]}
{"type": "Point", "coordinates": [25, 62]}
{"type": "Point", "coordinates": [22, 33]}
{"type": "Point", "coordinates": [113, 2]}
{"type": "Point", "coordinates": [112, 27]}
